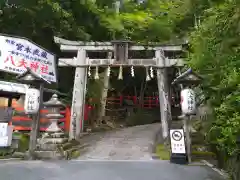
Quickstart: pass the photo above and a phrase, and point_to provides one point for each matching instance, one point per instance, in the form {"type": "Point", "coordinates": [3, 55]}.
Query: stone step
{"type": "Point", "coordinates": [53, 135]}
{"type": "Point", "coordinates": [54, 155]}
{"type": "Point", "coordinates": [52, 140]}
{"type": "Point", "coordinates": [70, 144]}
{"type": "Point", "coordinates": [47, 147]}
{"type": "Point", "coordinates": [203, 155]}
{"type": "Point", "coordinates": [18, 155]}
{"type": "Point", "coordinates": [58, 135]}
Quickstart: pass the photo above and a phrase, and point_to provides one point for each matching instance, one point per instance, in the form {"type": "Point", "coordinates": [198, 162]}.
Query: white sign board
{"type": "Point", "coordinates": [13, 87]}
{"type": "Point", "coordinates": [5, 135]}
{"type": "Point", "coordinates": [3, 129]}
{"type": "Point", "coordinates": [32, 100]}
{"type": "Point", "coordinates": [16, 54]}
{"type": "Point", "coordinates": [177, 141]}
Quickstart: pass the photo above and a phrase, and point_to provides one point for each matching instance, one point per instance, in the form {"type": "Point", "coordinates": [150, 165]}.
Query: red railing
{"type": "Point", "coordinates": [147, 102]}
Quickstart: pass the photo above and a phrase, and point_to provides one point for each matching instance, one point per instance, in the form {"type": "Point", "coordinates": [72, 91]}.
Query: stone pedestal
{"type": "Point", "coordinates": [50, 142]}
{"type": "Point", "coordinates": [48, 146]}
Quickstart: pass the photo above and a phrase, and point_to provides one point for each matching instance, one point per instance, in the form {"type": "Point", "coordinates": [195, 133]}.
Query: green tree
{"type": "Point", "coordinates": [215, 55]}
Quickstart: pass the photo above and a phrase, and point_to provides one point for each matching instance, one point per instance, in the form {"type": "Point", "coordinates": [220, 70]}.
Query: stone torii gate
{"type": "Point", "coordinates": [121, 50]}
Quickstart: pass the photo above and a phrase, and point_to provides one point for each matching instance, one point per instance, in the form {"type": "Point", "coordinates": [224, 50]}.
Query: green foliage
{"type": "Point", "coordinates": [94, 89]}
{"type": "Point", "coordinates": [215, 48]}
{"type": "Point", "coordinates": [163, 152]}
{"type": "Point", "coordinates": [23, 143]}
{"type": "Point", "coordinates": [216, 56]}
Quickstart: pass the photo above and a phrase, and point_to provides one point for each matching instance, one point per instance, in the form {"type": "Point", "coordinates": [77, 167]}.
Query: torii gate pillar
{"type": "Point", "coordinates": [163, 91]}
{"type": "Point", "coordinates": [78, 97]}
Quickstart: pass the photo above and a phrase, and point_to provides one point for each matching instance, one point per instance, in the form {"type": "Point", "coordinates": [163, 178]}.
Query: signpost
{"type": "Point", "coordinates": [17, 53]}
{"type": "Point", "coordinates": [188, 105]}
{"type": "Point", "coordinates": [177, 141]}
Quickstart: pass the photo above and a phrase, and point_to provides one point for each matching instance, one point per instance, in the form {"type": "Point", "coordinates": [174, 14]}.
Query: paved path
{"type": "Point", "coordinates": [103, 170]}
{"type": "Point", "coordinates": [133, 143]}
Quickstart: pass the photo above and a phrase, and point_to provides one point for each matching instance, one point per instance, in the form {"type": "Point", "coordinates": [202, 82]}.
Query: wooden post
{"type": "Point", "coordinates": [188, 138]}
{"type": "Point", "coordinates": [186, 128]}
{"type": "Point", "coordinates": [35, 127]}
{"type": "Point", "coordinates": [10, 101]}
{"type": "Point", "coordinates": [78, 97]}
{"type": "Point", "coordinates": [163, 92]}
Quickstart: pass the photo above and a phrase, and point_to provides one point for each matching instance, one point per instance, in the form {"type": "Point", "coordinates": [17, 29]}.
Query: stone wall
{"type": "Point", "coordinates": [233, 167]}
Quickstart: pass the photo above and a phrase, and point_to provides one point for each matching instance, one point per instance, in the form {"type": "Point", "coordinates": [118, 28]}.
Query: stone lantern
{"type": "Point", "coordinates": [54, 106]}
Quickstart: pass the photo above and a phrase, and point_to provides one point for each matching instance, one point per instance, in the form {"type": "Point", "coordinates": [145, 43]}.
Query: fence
{"type": "Point", "coordinates": [147, 102]}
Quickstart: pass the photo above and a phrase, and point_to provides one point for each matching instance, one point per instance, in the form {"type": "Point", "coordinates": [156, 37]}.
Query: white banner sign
{"type": "Point", "coordinates": [3, 129]}
{"type": "Point", "coordinates": [177, 141]}
{"type": "Point", "coordinates": [5, 135]}
{"type": "Point", "coordinates": [18, 53]}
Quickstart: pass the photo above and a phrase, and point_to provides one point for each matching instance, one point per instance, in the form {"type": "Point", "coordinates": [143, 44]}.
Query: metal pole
{"type": "Point", "coordinates": [78, 97]}
{"type": "Point", "coordinates": [162, 83]}
{"type": "Point", "coordinates": [35, 126]}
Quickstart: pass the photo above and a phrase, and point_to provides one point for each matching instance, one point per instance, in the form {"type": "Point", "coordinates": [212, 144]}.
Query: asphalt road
{"type": "Point", "coordinates": [103, 170]}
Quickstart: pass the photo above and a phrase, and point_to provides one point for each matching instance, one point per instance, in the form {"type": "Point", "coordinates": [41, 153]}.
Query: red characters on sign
{"type": "Point", "coordinates": [44, 69]}
{"type": "Point", "coordinates": [10, 58]}
{"type": "Point", "coordinates": [34, 66]}
{"type": "Point", "coordinates": [22, 63]}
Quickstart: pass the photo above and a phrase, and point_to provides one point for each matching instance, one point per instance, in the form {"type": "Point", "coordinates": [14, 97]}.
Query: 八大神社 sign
{"type": "Point", "coordinates": [16, 54]}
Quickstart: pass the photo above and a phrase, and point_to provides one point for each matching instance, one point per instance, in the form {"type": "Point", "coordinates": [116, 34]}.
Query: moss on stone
{"type": "Point", "coordinates": [75, 154]}
{"type": "Point", "coordinates": [163, 152]}
{"type": "Point", "coordinates": [23, 143]}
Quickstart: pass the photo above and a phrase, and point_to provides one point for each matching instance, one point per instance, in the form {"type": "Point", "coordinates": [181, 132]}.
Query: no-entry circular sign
{"type": "Point", "coordinates": [177, 135]}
